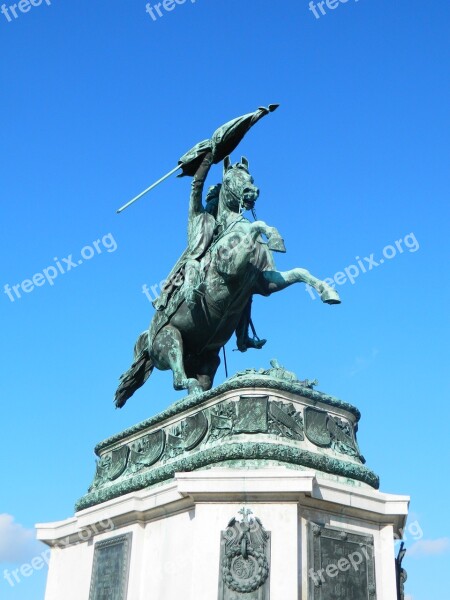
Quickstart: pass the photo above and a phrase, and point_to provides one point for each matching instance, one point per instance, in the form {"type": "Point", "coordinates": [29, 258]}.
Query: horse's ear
{"type": "Point", "coordinates": [226, 164]}
{"type": "Point", "coordinates": [244, 161]}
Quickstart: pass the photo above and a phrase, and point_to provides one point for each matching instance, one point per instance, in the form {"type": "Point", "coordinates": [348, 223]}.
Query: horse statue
{"type": "Point", "coordinates": [207, 296]}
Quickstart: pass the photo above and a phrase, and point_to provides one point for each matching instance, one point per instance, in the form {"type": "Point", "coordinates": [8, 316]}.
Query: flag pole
{"type": "Point", "coordinates": [133, 200]}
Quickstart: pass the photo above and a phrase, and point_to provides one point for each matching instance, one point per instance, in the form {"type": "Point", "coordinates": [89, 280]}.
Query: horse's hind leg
{"type": "Point", "coordinates": [167, 353]}
{"type": "Point", "coordinates": [204, 367]}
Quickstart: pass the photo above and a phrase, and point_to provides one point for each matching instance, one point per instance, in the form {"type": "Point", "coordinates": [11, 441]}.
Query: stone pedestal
{"type": "Point", "coordinates": [251, 491]}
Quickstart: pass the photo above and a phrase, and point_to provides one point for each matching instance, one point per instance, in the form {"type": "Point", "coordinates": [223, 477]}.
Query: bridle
{"type": "Point", "coordinates": [240, 200]}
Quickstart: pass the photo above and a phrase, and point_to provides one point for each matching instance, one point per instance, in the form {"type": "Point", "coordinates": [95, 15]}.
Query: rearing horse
{"type": "Point", "coordinates": [230, 262]}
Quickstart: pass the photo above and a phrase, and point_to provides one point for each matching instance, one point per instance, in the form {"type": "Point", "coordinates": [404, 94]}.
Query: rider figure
{"type": "Point", "coordinates": [203, 229]}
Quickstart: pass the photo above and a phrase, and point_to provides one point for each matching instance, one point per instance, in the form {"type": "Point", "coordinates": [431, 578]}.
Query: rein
{"type": "Point", "coordinates": [223, 317]}
{"type": "Point", "coordinates": [240, 201]}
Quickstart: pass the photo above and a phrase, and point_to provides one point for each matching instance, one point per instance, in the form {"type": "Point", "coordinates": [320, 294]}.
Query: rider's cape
{"type": "Point", "coordinates": [201, 234]}
{"type": "Point", "coordinates": [172, 295]}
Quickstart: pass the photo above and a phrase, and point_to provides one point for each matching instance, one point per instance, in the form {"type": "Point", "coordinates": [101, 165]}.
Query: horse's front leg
{"type": "Point", "coordinates": [275, 241]}
{"type": "Point", "coordinates": [275, 281]}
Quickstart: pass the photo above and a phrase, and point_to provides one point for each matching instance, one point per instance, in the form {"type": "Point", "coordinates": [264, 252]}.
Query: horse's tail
{"type": "Point", "coordinates": [137, 374]}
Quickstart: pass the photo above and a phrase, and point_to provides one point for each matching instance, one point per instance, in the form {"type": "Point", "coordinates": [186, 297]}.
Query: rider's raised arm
{"type": "Point", "coordinates": [198, 183]}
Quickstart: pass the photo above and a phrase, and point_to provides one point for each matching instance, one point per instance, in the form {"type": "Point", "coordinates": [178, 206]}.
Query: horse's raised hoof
{"type": "Point", "coordinates": [330, 296]}
{"type": "Point", "coordinates": [276, 243]}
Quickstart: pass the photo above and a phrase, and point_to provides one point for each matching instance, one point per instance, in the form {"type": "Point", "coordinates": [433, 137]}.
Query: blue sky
{"type": "Point", "coordinates": [98, 100]}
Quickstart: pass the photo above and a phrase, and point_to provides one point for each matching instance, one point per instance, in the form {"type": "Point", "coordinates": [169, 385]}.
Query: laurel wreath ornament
{"type": "Point", "coordinates": [252, 583]}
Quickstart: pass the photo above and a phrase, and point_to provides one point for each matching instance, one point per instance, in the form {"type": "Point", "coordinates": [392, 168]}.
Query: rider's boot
{"type": "Point", "coordinates": [194, 296]}
{"type": "Point", "coordinates": [161, 301]}
{"type": "Point", "coordinates": [249, 342]}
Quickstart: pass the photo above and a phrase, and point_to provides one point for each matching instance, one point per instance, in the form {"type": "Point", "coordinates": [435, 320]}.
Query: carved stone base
{"type": "Point", "coordinates": [252, 491]}
{"type": "Point", "coordinates": [178, 549]}
{"type": "Point", "coordinates": [254, 417]}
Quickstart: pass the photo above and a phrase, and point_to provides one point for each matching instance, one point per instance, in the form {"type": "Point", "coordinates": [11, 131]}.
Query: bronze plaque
{"type": "Point", "coordinates": [341, 565]}
{"type": "Point", "coordinates": [195, 430]}
{"type": "Point", "coordinates": [109, 579]}
{"type": "Point", "coordinates": [148, 449]}
{"type": "Point", "coordinates": [316, 427]}
{"type": "Point", "coordinates": [119, 459]}
{"type": "Point", "coordinates": [252, 414]}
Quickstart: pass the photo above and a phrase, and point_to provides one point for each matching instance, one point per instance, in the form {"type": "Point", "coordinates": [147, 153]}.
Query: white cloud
{"type": "Point", "coordinates": [429, 547]}
{"type": "Point", "coordinates": [17, 544]}
{"type": "Point", "coordinates": [409, 597]}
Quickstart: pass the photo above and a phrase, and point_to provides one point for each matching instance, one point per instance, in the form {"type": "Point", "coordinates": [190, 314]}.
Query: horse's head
{"type": "Point", "coordinates": [237, 191]}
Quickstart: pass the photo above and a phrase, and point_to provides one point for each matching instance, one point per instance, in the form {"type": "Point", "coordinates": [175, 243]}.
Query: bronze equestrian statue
{"type": "Point", "coordinates": [207, 296]}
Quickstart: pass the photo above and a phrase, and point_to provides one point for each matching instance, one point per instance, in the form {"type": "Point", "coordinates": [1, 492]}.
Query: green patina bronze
{"type": "Point", "coordinates": [220, 455]}
{"type": "Point", "coordinates": [229, 259]}
{"type": "Point", "coordinates": [244, 559]}
{"type": "Point", "coordinates": [256, 418]}
{"type": "Point", "coordinates": [245, 379]}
